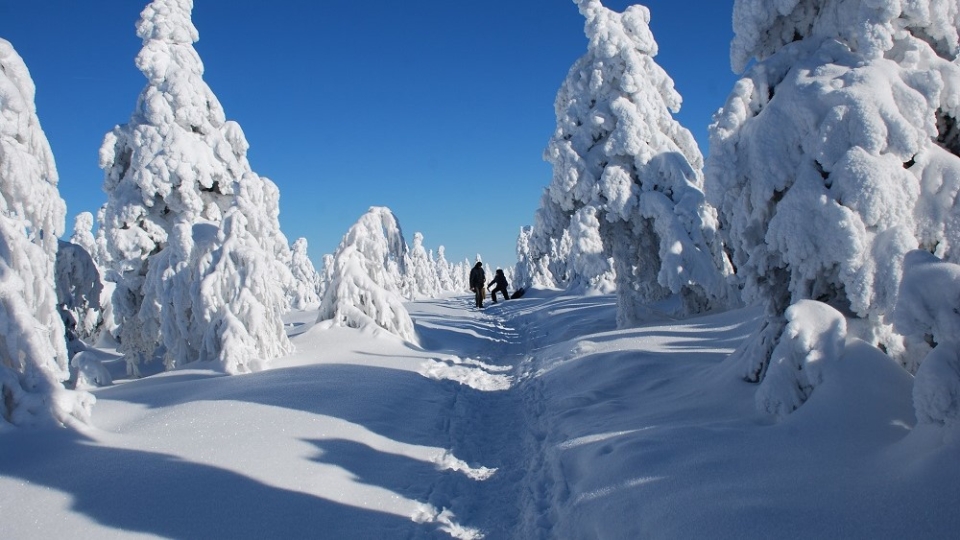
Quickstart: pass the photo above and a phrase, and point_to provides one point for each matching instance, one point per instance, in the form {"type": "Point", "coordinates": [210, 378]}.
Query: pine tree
{"type": "Point", "coordinates": [626, 173]}
{"type": "Point", "coordinates": [33, 354]}
{"type": "Point", "coordinates": [834, 156]}
{"type": "Point", "coordinates": [177, 163]}
{"type": "Point", "coordinates": [366, 277]}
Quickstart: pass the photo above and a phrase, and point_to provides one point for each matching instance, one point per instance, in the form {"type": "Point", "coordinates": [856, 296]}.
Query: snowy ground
{"type": "Point", "coordinates": [534, 418]}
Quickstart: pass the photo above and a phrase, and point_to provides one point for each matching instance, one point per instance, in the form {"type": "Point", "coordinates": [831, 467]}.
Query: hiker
{"type": "Point", "coordinates": [501, 281]}
{"type": "Point", "coordinates": [477, 278]}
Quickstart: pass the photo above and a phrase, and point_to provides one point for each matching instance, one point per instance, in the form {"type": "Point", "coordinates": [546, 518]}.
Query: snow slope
{"type": "Point", "coordinates": [534, 418]}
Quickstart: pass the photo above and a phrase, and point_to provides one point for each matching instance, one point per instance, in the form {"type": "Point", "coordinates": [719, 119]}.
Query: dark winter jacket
{"type": "Point", "coordinates": [500, 280]}
{"type": "Point", "coordinates": [477, 277]}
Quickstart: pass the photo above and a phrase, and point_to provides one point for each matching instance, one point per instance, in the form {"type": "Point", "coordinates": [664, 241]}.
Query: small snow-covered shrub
{"type": "Point", "coordinates": [813, 337]}
{"type": "Point", "coordinates": [928, 307]}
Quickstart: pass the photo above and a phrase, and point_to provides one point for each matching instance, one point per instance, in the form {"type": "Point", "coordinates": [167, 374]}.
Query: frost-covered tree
{"type": "Point", "coordinates": [83, 234]}
{"type": "Point", "coordinates": [421, 272]}
{"type": "Point", "coordinates": [176, 163]}
{"type": "Point", "coordinates": [627, 174]}
{"type": "Point", "coordinates": [219, 297]}
{"type": "Point", "coordinates": [445, 272]}
{"type": "Point", "coordinates": [33, 354]}
{"type": "Point", "coordinates": [79, 290]}
{"type": "Point", "coordinates": [835, 155]}
{"type": "Point", "coordinates": [306, 280]}
{"type": "Point", "coordinates": [927, 309]}
{"type": "Point", "coordinates": [366, 275]}
{"type": "Point", "coordinates": [592, 268]}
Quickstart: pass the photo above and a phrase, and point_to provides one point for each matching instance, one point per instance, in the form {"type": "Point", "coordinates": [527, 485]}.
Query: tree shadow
{"type": "Point", "coordinates": [411, 478]}
{"type": "Point", "coordinates": [369, 396]}
{"type": "Point", "coordinates": [163, 495]}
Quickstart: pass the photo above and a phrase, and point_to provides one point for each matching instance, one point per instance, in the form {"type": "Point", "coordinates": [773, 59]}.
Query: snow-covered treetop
{"type": "Point", "coordinates": [168, 21]}
{"type": "Point", "coordinates": [28, 180]}
{"type": "Point", "coordinates": [762, 27]}
{"type": "Point", "coordinates": [611, 33]}
{"type": "Point", "coordinates": [378, 238]}
{"type": "Point", "coordinates": [179, 159]}
{"type": "Point", "coordinates": [614, 115]}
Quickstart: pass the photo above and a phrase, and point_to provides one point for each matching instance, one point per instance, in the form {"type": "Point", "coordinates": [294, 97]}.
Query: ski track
{"type": "Point", "coordinates": [494, 429]}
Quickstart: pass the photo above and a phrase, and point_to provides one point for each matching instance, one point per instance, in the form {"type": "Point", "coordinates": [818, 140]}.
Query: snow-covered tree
{"type": "Point", "coordinates": [835, 155]}
{"type": "Point", "coordinates": [592, 268]}
{"type": "Point", "coordinates": [220, 299]}
{"type": "Point", "coordinates": [83, 234]}
{"type": "Point", "coordinates": [306, 280]}
{"type": "Point", "coordinates": [176, 163]}
{"type": "Point", "coordinates": [33, 354]}
{"type": "Point", "coordinates": [461, 275]}
{"type": "Point", "coordinates": [326, 274]}
{"type": "Point", "coordinates": [366, 275]}
{"type": "Point", "coordinates": [79, 290]}
{"type": "Point", "coordinates": [626, 174]}
{"type": "Point", "coordinates": [421, 275]}
{"type": "Point", "coordinates": [543, 250]}
{"type": "Point", "coordinates": [927, 309]}
{"type": "Point", "coordinates": [445, 272]}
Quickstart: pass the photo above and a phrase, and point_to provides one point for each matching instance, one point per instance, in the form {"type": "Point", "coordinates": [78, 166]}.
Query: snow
{"type": "Point", "coordinates": [386, 405]}
{"type": "Point", "coordinates": [536, 418]}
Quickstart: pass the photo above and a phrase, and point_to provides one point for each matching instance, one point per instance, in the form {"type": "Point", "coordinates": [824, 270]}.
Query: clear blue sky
{"type": "Point", "coordinates": [438, 109]}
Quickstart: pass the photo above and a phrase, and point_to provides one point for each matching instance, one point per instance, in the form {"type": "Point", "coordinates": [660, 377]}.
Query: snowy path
{"type": "Point", "coordinates": [487, 426]}
{"type": "Point", "coordinates": [534, 419]}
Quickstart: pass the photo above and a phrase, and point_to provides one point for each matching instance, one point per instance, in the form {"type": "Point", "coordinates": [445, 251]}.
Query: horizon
{"type": "Point", "coordinates": [351, 106]}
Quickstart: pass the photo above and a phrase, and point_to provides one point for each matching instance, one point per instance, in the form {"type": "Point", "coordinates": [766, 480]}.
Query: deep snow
{"type": "Point", "coordinates": [534, 418]}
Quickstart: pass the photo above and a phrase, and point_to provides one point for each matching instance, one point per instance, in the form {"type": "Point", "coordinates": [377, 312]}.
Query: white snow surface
{"type": "Point", "coordinates": [534, 418]}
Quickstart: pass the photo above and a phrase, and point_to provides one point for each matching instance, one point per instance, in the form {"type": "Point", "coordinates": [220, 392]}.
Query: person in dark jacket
{"type": "Point", "coordinates": [477, 279]}
{"type": "Point", "coordinates": [501, 281]}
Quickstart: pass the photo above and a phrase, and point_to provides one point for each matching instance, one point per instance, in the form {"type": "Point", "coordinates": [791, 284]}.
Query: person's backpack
{"type": "Point", "coordinates": [517, 293]}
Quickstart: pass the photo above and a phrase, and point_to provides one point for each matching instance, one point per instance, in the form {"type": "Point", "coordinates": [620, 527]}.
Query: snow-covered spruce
{"type": "Point", "coordinates": [834, 156]}
{"type": "Point", "coordinates": [83, 234]}
{"type": "Point", "coordinates": [814, 337]}
{"type": "Point", "coordinates": [79, 289]}
{"type": "Point", "coordinates": [221, 302]}
{"type": "Point", "coordinates": [364, 286]}
{"type": "Point", "coordinates": [627, 178]}
{"type": "Point", "coordinates": [421, 279]}
{"type": "Point", "coordinates": [306, 279]}
{"type": "Point", "coordinates": [445, 272]}
{"type": "Point", "coordinates": [176, 163]}
{"type": "Point", "coordinates": [927, 309]}
{"type": "Point", "coordinates": [33, 354]}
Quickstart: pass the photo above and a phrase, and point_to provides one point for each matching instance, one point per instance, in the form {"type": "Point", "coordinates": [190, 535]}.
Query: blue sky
{"type": "Point", "coordinates": [438, 109]}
